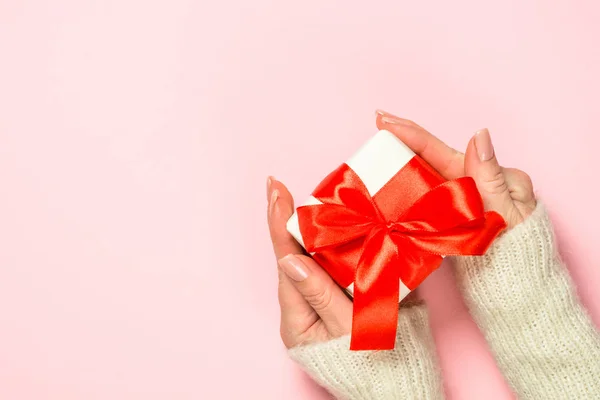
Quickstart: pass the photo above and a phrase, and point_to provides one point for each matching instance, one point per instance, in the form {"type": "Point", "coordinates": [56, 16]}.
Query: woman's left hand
{"type": "Point", "coordinates": [313, 307]}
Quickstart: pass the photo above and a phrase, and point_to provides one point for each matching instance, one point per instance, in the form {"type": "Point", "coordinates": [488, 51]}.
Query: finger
{"type": "Point", "coordinates": [482, 165]}
{"type": "Point", "coordinates": [280, 208]}
{"type": "Point", "coordinates": [443, 158]}
{"type": "Point", "coordinates": [320, 292]}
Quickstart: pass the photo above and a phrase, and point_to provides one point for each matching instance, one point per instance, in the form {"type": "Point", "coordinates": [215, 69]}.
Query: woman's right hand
{"type": "Point", "coordinates": [508, 191]}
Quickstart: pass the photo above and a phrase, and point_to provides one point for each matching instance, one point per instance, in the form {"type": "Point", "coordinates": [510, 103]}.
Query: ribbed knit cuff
{"type": "Point", "coordinates": [522, 299]}
{"type": "Point", "coordinates": [408, 372]}
{"type": "Point", "coordinates": [512, 271]}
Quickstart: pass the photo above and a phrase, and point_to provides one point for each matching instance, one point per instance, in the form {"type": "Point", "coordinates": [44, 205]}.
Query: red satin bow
{"type": "Point", "coordinates": [401, 233]}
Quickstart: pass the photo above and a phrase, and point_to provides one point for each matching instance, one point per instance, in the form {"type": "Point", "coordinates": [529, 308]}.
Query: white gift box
{"type": "Point", "coordinates": [375, 163]}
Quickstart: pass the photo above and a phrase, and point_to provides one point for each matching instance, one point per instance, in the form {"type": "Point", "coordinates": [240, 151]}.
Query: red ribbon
{"type": "Point", "coordinates": [400, 233]}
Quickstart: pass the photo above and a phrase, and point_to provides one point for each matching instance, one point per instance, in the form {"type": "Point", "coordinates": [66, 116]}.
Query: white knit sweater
{"type": "Point", "coordinates": [523, 301]}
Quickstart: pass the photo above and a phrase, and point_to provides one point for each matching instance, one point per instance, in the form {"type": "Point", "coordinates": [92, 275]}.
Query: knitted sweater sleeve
{"type": "Point", "coordinates": [522, 298]}
{"type": "Point", "coordinates": [408, 372]}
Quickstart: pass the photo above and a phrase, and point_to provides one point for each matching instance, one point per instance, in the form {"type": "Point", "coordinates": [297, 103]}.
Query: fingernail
{"type": "Point", "coordinates": [273, 201]}
{"type": "Point", "coordinates": [388, 118]}
{"type": "Point", "coordinates": [269, 182]}
{"type": "Point", "coordinates": [483, 145]}
{"type": "Point", "coordinates": [293, 267]}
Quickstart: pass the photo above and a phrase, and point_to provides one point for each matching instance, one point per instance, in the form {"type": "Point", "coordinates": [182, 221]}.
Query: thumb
{"type": "Point", "coordinates": [482, 165]}
{"type": "Point", "coordinates": [320, 292]}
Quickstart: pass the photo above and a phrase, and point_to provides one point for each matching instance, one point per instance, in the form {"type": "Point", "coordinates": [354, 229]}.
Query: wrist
{"type": "Point", "coordinates": [513, 268]}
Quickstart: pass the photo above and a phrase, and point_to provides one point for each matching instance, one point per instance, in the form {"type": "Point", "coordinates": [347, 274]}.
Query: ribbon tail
{"type": "Point", "coordinates": [414, 265]}
{"type": "Point", "coordinates": [376, 294]}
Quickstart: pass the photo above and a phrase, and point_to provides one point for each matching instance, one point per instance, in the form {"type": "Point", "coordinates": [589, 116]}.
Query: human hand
{"type": "Point", "coordinates": [313, 307]}
{"type": "Point", "coordinates": [508, 191]}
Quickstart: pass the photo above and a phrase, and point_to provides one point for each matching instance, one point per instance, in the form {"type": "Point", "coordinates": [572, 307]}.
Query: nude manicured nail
{"type": "Point", "coordinates": [483, 145]}
{"type": "Point", "coordinates": [388, 118]}
{"type": "Point", "coordinates": [269, 182]}
{"type": "Point", "coordinates": [273, 201]}
{"type": "Point", "coordinates": [293, 267]}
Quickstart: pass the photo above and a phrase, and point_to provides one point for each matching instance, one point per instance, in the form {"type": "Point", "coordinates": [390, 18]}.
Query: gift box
{"type": "Point", "coordinates": [381, 223]}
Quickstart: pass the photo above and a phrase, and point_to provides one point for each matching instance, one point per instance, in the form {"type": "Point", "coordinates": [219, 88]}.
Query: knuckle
{"type": "Point", "coordinates": [319, 299]}
{"type": "Point", "coordinates": [526, 181]}
{"type": "Point", "coordinates": [456, 159]}
{"type": "Point", "coordinates": [519, 175]}
{"type": "Point", "coordinates": [495, 184]}
{"type": "Point", "coordinates": [520, 182]}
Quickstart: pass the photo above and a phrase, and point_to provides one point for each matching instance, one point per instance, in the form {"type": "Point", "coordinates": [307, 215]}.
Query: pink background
{"type": "Point", "coordinates": [136, 136]}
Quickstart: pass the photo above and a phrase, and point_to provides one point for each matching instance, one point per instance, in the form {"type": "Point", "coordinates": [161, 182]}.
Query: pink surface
{"type": "Point", "coordinates": [135, 138]}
